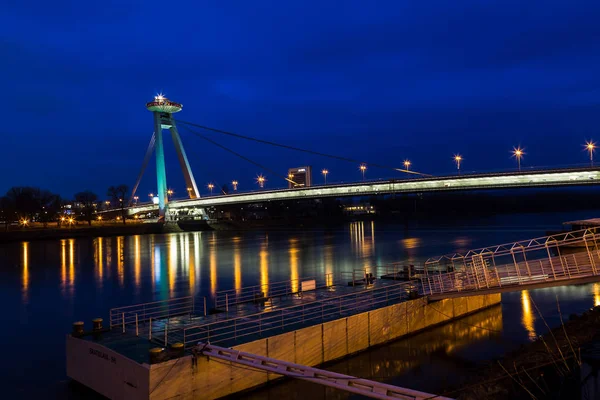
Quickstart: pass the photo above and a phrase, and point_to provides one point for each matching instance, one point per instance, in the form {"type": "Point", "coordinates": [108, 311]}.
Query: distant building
{"type": "Point", "coordinates": [301, 176]}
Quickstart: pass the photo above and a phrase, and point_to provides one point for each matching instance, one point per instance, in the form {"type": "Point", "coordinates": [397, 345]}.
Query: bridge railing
{"type": "Point", "coordinates": [280, 320]}
{"type": "Point", "coordinates": [480, 274]}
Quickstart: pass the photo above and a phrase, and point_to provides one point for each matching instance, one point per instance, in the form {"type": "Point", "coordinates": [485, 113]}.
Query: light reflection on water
{"type": "Point", "coordinates": [58, 282]}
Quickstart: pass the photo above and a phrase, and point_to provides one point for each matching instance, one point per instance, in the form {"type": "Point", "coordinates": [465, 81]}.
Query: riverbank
{"type": "Point", "coordinates": [549, 367]}
{"type": "Point", "coordinates": [79, 231]}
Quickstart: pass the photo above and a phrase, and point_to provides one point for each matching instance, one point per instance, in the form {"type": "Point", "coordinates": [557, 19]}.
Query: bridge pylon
{"type": "Point", "coordinates": [163, 109]}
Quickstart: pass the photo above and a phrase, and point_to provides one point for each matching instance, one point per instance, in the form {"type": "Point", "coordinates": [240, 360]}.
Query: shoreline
{"type": "Point", "coordinates": [553, 363]}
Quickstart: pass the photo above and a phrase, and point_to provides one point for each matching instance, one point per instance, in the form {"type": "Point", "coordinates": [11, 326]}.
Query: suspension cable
{"type": "Point", "coordinates": [297, 148]}
{"type": "Point", "coordinates": [238, 154]}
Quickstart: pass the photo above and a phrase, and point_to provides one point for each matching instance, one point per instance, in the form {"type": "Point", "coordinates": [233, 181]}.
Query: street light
{"type": "Point", "coordinates": [170, 193]}
{"type": "Point", "coordinates": [261, 181]}
{"type": "Point", "coordinates": [407, 164]}
{"type": "Point", "coordinates": [235, 184]}
{"type": "Point", "coordinates": [325, 172]}
{"type": "Point", "coordinates": [457, 159]}
{"type": "Point", "coordinates": [210, 187]}
{"type": "Point", "coordinates": [151, 195]}
{"type": "Point", "coordinates": [136, 198]}
{"type": "Point", "coordinates": [518, 153]}
{"type": "Point", "coordinates": [591, 147]}
{"type": "Point", "coordinates": [107, 202]}
{"type": "Point", "coordinates": [363, 168]}
{"type": "Point", "coordinates": [189, 190]}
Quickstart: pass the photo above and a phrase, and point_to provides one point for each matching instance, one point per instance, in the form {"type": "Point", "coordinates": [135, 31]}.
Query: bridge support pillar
{"type": "Point", "coordinates": [161, 173]}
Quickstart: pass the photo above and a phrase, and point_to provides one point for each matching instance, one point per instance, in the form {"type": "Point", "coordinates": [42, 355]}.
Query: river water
{"type": "Point", "coordinates": [46, 285]}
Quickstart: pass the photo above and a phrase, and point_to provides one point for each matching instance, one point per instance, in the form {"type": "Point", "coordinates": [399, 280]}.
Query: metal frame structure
{"type": "Point", "coordinates": [364, 387]}
{"type": "Point", "coordinates": [545, 259]}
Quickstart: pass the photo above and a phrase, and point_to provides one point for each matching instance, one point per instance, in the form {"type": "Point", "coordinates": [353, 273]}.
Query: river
{"type": "Point", "coordinates": [47, 285]}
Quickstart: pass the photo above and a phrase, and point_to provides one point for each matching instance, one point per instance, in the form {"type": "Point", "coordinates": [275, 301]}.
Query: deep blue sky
{"type": "Point", "coordinates": [379, 81]}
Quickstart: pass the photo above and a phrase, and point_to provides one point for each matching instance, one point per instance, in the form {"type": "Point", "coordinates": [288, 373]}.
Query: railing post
{"type": "Point", "coordinates": [205, 306]}
{"type": "Point", "coordinates": [226, 303]}
{"type": "Point", "coordinates": [590, 256]}
{"type": "Point", "coordinates": [166, 330]}
{"type": "Point", "coordinates": [150, 331]}
{"type": "Point", "coordinates": [551, 264]}
{"type": "Point", "coordinates": [123, 317]}
{"type": "Point", "coordinates": [137, 332]}
{"type": "Point", "coordinates": [235, 329]}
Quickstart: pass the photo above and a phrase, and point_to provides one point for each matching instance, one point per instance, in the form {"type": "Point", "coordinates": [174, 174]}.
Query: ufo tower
{"type": "Point", "coordinates": [163, 110]}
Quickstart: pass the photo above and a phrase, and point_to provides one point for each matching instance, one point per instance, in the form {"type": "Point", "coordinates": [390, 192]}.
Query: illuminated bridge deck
{"type": "Point", "coordinates": [546, 178]}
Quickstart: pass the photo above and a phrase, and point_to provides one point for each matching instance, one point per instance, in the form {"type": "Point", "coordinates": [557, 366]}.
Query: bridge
{"type": "Point", "coordinates": [413, 182]}
{"type": "Point", "coordinates": [563, 259]}
{"type": "Point", "coordinates": [544, 178]}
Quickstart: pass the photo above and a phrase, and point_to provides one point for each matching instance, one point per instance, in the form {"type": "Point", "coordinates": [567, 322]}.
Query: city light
{"type": "Point", "coordinates": [24, 222]}
{"type": "Point", "coordinates": [99, 217]}
{"type": "Point", "coordinates": [407, 164]}
{"type": "Point", "coordinates": [210, 187]}
{"type": "Point", "coordinates": [170, 193]}
{"type": "Point", "coordinates": [457, 159]}
{"type": "Point", "coordinates": [325, 172]}
{"type": "Point", "coordinates": [261, 181]}
{"type": "Point", "coordinates": [136, 198]}
{"type": "Point", "coordinates": [235, 184]}
{"type": "Point", "coordinates": [151, 195]}
{"type": "Point", "coordinates": [107, 202]}
{"type": "Point", "coordinates": [518, 153]}
{"type": "Point", "coordinates": [591, 147]}
{"type": "Point", "coordinates": [363, 168]}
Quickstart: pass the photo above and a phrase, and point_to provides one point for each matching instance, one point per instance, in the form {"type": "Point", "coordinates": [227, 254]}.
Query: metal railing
{"type": "Point", "coordinates": [479, 274]}
{"type": "Point", "coordinates": [139, 313]}
{"type": "Point", "coordinates": [227, 298]}
{"type": "Point", "coordinates": [290, 318]}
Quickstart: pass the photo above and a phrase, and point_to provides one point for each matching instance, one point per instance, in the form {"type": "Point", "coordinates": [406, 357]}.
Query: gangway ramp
{"type": "Point", "coordinates": [555, 260]}
{"type": "Point", "coordinates": [364, 387]}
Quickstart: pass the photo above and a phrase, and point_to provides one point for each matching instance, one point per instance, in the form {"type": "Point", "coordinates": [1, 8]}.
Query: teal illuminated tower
{"type": "Point", "coordinates": [163, 108]}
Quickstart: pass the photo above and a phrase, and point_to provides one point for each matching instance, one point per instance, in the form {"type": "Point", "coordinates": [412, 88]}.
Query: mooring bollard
{"type": "Point", "coordinates": [156, 355]}
{"type": "Point", "coordinates": [176, 350]}
{"type": "Point", "coordinates": [77, 329]}
{"type": "Point", "coordinates": [97, 324]}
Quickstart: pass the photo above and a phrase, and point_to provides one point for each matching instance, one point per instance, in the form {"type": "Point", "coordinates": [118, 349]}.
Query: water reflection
{"type": "Point", "coordinates": [212, 254]}
{"type": "Point", "coordinates": [237, 264]}
{"type": "Point", "coordinates": [293, 251]}
{"type": "Point", "coordinates": [172, 263]}
{"type": "Point", "coordinates": [444, 351]}
{"type": "Point", "coordinates": [528, 318]}
{"type": "Point", "coordinates": [197, 257]}
{"type": "Point", "coordinates": [25, 262]}
{"type": "Point", "coordinates": [72, 264]}
{"type": "Point", "coordinates": [263, 256]}
{"type": "Point", "coordinates": [63, 265]}
{"type": "Point", "coordinates": [137, 266]}
{"type": "Point", "coordinates": [596, 290]}
{"type": "Point", "coordinates": [120, 260]}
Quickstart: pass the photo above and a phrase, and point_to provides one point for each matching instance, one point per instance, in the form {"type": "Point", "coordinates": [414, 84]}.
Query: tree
{"type": "Point", "coordinates": [88, 204]}
{"type": "Point", "coordinates": [118, 194]}
{"type": "Point", "coordinates": [7, 211]}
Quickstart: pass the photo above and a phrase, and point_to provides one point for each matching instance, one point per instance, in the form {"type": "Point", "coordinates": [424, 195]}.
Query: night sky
{"type": "Point", "coordinates": [377, 81]}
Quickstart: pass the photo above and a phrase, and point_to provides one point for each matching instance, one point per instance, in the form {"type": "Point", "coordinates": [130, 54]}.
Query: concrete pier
{"type": "Point", "coordinates": [119, 377]}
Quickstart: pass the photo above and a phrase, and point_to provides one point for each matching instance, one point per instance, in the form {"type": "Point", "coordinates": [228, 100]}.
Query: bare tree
{"type": "Point", "coordinates": [88, 202]}
{"type": "Point", "coordinates": [118, 194]}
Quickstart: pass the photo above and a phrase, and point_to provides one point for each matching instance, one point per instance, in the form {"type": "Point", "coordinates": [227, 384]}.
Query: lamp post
{"type": "Point", "coordinates": [457, 160]}
{"type": "Point", "coordinates": [136, 198]}
{"type": "Point", "coordinates": [591, 147]}
{"type": "Point", "coordinates": [407, 164]}
{"type": "Point", "coordinates": [170, 193]}
{"type": "Point", "coordinates": [518, 153]}
{"type": "Point", "coordinates": [210, 187]}
{"type": "Point", "coordinates": [325, 172]}
{"type": "Point", "coordinates": [235, 185]}
{"type": "Point", "coordinates": [363, 168]}
{"type": "Point", "coordinates": [261, 181]}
